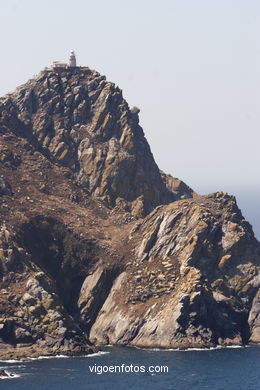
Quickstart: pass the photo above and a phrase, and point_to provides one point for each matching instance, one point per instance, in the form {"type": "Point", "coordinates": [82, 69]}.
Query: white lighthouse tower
{"type": "Point", "coordinates": [72, 61]}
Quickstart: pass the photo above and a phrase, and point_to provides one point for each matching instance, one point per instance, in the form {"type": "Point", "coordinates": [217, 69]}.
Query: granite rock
{"type": "Point", "coordinates": [97, 245]}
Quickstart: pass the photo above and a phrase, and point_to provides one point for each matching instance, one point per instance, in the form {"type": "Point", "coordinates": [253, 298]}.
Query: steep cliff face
{"type": "Point", "coordinates": [97, 245]}
{"type": "Point", "coordinates": [191, 281]}
{"type": "Point", "coordinates": [34, 316]}
{"type": "Point", "coordinates": [81, 121]}
{"type": "Point", "coordinates": [254, 316]}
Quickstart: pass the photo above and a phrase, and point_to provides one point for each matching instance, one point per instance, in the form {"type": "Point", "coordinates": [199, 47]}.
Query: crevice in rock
{"type": "Point", "coordinates": [61, 254]}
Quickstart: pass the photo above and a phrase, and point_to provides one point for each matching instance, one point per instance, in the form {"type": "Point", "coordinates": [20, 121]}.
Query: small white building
{"type": "Point", "coordinates": [72, 60]}
{"type": "Point", "coordinates": [59, 64]}
{"type": "Point", "coordinates": [63, 65]}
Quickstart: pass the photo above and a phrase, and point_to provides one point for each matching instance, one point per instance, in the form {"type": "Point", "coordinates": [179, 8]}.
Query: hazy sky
{"type": "Point", "coordinates": [191, 66]}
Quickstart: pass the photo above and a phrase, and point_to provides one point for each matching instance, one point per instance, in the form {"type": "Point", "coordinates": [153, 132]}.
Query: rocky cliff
{"type": "Point", "coordinates": [191, 280]}
{"type": "Point", "coordinates": [79, 120]}
{"type": "Point", "coordinates": [97, 245]}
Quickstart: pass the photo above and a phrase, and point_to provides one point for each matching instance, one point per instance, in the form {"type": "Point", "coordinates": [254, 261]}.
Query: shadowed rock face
{"type": "Point", "coordinates": [99, 246]}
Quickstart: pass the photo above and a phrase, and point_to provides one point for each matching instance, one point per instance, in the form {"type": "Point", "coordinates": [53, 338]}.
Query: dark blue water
{"type": "Point", "coordinates": [220, 369]}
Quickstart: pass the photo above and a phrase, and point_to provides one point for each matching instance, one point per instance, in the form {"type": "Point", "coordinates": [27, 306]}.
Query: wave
{"type": "Point", "coordinates": [100, 353]}
{"type": "Point", "coordinates": [66, 356]}
{"type": "Point", "coordinates": [201, 349]}
{"type": "Point", "coordinates": [49, 357]}
{"type": "Point", "coordinates": [12, 375]}
{"type": "Point", "coordinates": [189, 349]}
{"type": "Point", "coordinates": [24, 359]}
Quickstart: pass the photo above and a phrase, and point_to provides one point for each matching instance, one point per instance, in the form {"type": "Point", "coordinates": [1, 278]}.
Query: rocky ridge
{"type": "Point", "coordinates": [97, 245]}
{"type": "Point", "coordinates": [79, 120]}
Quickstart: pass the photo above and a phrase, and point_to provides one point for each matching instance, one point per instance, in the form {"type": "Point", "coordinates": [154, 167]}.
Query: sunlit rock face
{"type": "Point", "coordinates": [97, 245]}
{"type": "Point", "coordinates": [191, 282]}
{"type": "Point", "coordinates": [81, 121]}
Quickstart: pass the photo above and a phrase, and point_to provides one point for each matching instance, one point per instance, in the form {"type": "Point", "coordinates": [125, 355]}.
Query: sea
{"type": "Point", "coordinates": [122, 368]}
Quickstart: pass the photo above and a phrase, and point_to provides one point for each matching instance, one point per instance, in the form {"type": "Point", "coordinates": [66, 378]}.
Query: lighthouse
{"type": "Point", "coordinates": [72, 61]}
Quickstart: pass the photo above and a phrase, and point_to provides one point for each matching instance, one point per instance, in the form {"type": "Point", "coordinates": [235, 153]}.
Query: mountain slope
{"type": "Point", "coordinates": [191, 281]}
{"type": "Point", "coordinates": [78, 120]}
{"type": "Point", "coordinates": [97, 245]}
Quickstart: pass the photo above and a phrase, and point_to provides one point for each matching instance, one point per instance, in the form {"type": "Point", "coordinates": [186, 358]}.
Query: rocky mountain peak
{"type": "Point", "coordinates": [79, 120]}
{"type": "Point", "coordinates": [97, 245]}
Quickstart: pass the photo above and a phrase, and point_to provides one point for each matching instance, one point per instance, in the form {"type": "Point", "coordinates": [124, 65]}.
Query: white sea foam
{"type": "Point", "coordinates": [12, 361]}
{"type": "Point", "coordinates": [66, 356]}
{"type": "Point", "coordinates": [49, 357]}
{"type": "Point", "coordinates": [189, 349]}
{"type": "Point", "coordinates": [12, 375]}
{"type": "Point", "coordinates": [100, 353]}
{"type": "Point", "coordinates": [200, 349]}
{"type": "Point", "coordinates": [206, 349]}
{"type": "Point", "coordinates": [24, 359]}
